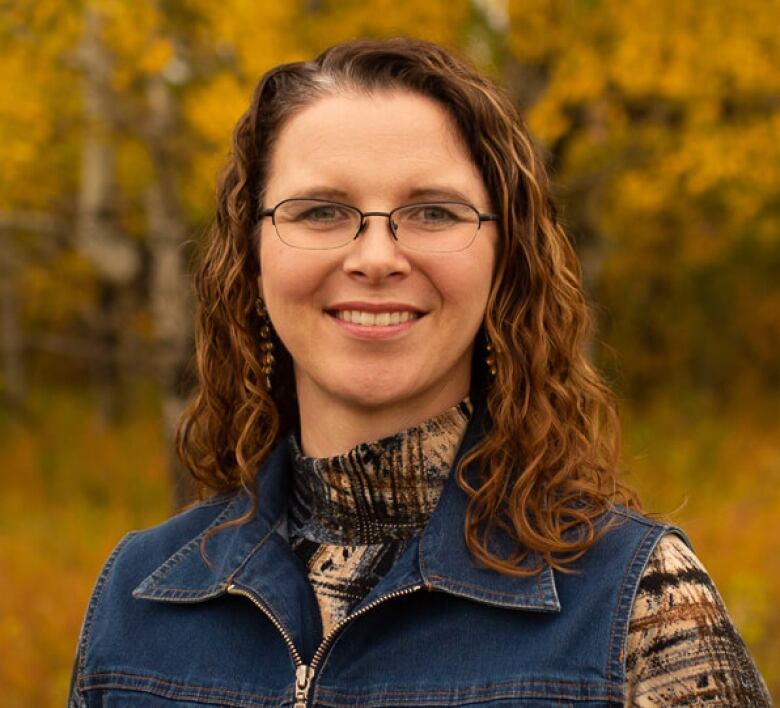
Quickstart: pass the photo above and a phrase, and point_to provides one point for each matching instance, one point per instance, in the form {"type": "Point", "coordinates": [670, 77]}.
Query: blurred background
{"type": "Point", "coordinates": [660, 123]}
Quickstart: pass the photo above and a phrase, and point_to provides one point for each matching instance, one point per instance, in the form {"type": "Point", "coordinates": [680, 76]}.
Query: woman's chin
{"type": "Point", "coordinates": [374, 394]}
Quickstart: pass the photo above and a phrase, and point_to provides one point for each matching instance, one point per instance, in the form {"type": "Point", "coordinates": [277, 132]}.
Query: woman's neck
{"type": "Point", "coordinates": [380, 490]}
{"type": "Point", "coordinates": [331, 427]}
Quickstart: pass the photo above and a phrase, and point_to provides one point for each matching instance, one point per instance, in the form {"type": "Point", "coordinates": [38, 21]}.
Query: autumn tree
{"type": "Point", "coordinates": [661, 121]}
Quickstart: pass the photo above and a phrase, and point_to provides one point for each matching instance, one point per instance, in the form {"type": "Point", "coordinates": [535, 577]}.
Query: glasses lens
{"type": "Point", "coordinates": [315, 224]}
{"type": "Point", "coordinates": [436, 226]}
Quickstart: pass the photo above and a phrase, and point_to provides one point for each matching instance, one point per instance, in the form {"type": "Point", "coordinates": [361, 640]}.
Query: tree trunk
{"type": "Point", "coordinates": [13, 379]}
{"type": "Point", "coordinates": [98, 237]}
{"type": "Point", "coordinates": [169, 285]}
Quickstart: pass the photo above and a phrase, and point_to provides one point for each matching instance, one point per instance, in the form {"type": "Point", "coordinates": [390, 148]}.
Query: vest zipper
{"type": "Point", "coordinates": [304, 674]}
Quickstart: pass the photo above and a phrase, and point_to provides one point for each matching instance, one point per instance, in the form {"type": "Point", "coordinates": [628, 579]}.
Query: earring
{"type": "Point", "coordinates": [267, 346]}
{"type": "Point", "coordinates": [490, 359]}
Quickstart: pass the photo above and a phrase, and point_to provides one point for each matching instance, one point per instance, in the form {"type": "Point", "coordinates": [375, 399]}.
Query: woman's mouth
{"type": "Point", "coordinates": [376, 319]}
{"type": "Point", "coordinates": [373, 320]}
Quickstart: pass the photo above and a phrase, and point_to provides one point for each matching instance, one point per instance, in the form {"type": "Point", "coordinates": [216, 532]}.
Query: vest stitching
{"type": "Point", "coordinates": [483, 690]}
{"type": "Point", "coordinates": [495, 593]}
{"type": "Point", "coordinates": [487, 593]}
{"type": "Point", "coordinates": [525, 687]}
{"type": "Point", "coordinates": [97, 594]}
{"type": "Point", "coordinates": [187, 549]}
{"type": "Point", "coordinates": [104, 682]}
{"type": "Point", "coordinates": [271, 531]}
{"type": "Point", "coordinates": [631, 574]}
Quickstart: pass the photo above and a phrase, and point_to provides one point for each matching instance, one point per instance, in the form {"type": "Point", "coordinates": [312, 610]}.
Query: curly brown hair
{"type": "Point", "coordinates": [547, 466]}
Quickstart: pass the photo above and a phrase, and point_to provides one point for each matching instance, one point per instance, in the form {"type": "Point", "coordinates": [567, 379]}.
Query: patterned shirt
{"type": "Point", "coordinates": [353, 515]}
{"type": "Point", "coordinates": [683, 648]}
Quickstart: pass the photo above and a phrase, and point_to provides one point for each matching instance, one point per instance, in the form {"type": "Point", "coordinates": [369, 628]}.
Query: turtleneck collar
{"type": "Point", "coordinates": [378, 491]}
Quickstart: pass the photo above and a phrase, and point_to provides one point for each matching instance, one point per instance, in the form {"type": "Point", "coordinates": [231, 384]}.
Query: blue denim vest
{"type": "Point", "coordinates": [163, 628]}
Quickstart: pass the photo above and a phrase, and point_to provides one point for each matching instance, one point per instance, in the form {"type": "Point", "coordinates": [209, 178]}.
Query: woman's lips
{"type": "Point", "coordinates": [375, 323]}
{"type": "Point", "coordinates": [376, 319]}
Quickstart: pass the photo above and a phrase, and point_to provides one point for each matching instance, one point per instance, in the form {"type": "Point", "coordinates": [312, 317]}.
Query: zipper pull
{"type": "Point", "coordinates": [303, 676]}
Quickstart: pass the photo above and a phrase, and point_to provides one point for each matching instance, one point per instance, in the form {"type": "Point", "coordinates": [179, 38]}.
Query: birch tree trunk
{"type": "Point", "coordinates": [169, 284]}
{"type": "Point", "coordinates": [115, 260]}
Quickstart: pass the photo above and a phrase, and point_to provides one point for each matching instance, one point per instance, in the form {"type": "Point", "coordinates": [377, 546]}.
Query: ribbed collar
{"type": "Point", "coordinates": [378, 491]}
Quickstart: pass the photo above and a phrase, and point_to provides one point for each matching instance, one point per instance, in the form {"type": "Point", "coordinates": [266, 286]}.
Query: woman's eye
{"type": "Point", "coordinates": [323, 213]}
{"type": "Point", "coordinates": [437, 214]}
{"type": "Point", "coordinates": [432, 215]}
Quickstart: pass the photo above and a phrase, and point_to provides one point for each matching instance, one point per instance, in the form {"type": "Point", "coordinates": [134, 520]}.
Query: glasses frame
{"type": "Point", "coordinates": [271, 211]}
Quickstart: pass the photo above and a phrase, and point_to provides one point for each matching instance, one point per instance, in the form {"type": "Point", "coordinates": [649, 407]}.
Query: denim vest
{"type": "Point", "coordinates": [163, 628]}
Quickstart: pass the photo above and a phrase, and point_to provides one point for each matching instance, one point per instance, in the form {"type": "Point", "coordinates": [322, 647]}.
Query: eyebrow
{"type": "Point", "coordinates": [416, 194]}
{"type": "Point", "coordinates": [446, 193]}
{"type": "Point", "coordinates": [320, 193]}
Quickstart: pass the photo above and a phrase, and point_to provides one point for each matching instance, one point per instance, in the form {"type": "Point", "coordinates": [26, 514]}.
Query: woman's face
{"type": "Point", "coordinates": [376, 152]}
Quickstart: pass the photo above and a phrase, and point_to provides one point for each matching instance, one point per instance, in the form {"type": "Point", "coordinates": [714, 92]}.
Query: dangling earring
{"type": "Point", "coordinates": [266, 345]}
{"type": "Point", "coordinates": [490, 359]}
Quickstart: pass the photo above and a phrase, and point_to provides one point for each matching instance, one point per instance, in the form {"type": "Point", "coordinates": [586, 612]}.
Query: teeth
{"type": "Point", "coordinates": [375, 319]}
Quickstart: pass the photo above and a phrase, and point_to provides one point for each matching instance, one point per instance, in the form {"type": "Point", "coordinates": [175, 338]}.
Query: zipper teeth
{"type": "Point", "coordinates": [325, 643]}
{"type": "Point", "coordinates": [296, 657]}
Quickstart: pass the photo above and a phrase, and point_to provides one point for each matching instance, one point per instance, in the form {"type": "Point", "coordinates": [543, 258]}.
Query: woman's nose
{"type": "Point", "coordinates": [375, 253]}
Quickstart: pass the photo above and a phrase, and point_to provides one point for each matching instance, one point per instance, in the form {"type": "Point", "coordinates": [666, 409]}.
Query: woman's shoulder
{"type": "Point", "coordinates": [653, 535]}
{"type": "Point", "coordinates": [682, 645]}
{"type": "Point", "coordinates": [141, 551]}
{"type": "Point", "coordinates": [188, 522]}
{"type": "Point", "coordinates": [626, 539]}
{"type": "Point", "coordinates": [619, 515]}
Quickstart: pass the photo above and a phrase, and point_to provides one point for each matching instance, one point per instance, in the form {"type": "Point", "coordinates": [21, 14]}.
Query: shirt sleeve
{"type": "Point", "coordinates": [683, 648]}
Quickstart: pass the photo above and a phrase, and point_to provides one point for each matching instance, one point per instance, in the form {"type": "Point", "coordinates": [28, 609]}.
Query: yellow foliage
{"type": "Point", "coordinates": [73, 487]}
{"type": "Point", "coordinates": [437, 21]}
{"type": "Point", "coordinates": [212, 110]}
{"type": "Point", "coordinates": [257, 34]}
{"type": "Point", "coordinates": [156, 55]}
{"type": "Point", "coordinates": [30, 149]}
{"type": "Point", "coordinates": [549, 121]}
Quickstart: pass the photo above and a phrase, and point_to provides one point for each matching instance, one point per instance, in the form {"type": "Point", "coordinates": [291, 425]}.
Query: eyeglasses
{"type": "Point", "coordinates": [432, 227]}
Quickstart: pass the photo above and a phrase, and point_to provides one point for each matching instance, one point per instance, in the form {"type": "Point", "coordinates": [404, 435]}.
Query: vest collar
{"type": "Point", "coordinates": [446, 564]}
{"type": "Point", "coordinates": [249, 553]}
{"type": "Point", "coordinates": [186, 577]}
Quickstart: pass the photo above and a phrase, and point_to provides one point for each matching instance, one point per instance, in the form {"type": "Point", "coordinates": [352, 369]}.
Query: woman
{"type": "Point", "coordinates": [409, 468]}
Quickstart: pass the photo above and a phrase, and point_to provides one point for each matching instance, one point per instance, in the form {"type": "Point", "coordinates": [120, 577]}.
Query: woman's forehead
{"type": "Point", "coordinates": [395, 140]}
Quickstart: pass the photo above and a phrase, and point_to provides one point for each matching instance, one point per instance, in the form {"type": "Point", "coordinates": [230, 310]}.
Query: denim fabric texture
{"type": "Point", "coordinates": [162, 629]}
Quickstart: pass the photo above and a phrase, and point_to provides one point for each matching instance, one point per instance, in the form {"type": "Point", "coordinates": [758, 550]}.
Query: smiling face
{"type": "Point", "coordinates": [377, 333]}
